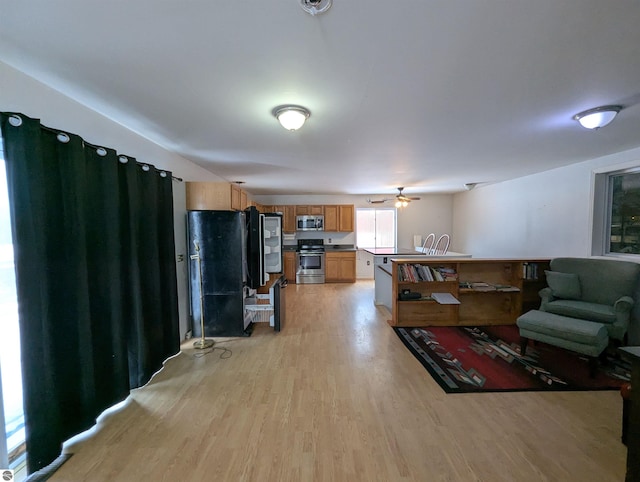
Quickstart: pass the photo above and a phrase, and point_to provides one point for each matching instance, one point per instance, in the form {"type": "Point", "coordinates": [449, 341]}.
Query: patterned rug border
{"type": "Point", "coordinates": [450, 386]}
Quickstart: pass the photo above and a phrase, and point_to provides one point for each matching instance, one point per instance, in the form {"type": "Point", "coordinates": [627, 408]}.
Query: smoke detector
{"type": "Point", "coordinates": [314, 7]}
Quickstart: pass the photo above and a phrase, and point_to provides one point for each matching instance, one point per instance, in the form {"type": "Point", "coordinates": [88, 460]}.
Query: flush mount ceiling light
{"type": "Point", "coordinates": [291, 117]}
{"type": "Point", "coordinates": [598, 117]}
{"type": "Point", "coordinates": [314, 7]}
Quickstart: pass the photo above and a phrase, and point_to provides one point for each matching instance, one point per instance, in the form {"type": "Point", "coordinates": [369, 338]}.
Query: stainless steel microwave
{"type": "Point", "coordinates": [310, 223]}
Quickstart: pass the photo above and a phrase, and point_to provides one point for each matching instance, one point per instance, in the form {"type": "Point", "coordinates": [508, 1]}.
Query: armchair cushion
{"type": "Point", "coordinates": [583, 309]}
{"type": "Point", "coordinates": [564, 285]}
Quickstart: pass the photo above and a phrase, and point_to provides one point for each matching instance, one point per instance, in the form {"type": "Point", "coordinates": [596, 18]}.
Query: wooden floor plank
{"type": "Point", "coordinates": [336, 396]}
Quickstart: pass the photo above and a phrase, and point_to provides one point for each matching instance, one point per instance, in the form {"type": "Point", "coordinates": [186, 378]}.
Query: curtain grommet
{"type": "Point", "coordinates": [145, 167]}
{"type": "Point", "coordinates": [163, 174]}
{"type": "Point", "coordinates": [15, 120]}
{"type": "Point", "coordinates": [123, 159]}
{"type": "Point", "coordinates": [62, 137]}
{"type": "Point", "coordinates": [101, 151]}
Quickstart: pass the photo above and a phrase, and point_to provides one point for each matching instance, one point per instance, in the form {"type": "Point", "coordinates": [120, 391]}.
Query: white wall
{"type": "Point", "coordinates": [21, 93]}
{"type": "Point", "coordinates": [543, 215]}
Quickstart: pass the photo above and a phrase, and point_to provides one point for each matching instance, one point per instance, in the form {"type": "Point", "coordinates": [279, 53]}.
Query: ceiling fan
{"type": "Point", "coordinates": [401, 199]}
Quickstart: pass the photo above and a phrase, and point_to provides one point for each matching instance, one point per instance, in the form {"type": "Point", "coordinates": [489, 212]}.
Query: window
{"type": "Point", "coordinates": [623, 228]}
{"type": "Point", "coordinates": [375, 228]}
{"type": "Point", "coordinates": [616, 212]}
{"type": "Point", "coordinates": [11, 412]}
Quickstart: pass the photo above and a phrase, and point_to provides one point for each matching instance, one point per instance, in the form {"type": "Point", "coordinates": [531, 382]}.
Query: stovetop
{"type": "Point", "coordinates": [311, 245]}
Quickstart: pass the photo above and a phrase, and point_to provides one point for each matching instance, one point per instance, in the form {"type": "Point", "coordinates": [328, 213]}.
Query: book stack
{"type": "Point", "coordinates": [530, 271]}
{"type": "Point", "coordinates": [414, 273]}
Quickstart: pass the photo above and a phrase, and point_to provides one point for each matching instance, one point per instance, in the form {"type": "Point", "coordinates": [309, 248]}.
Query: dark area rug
{"type": "Point", "coordinates": [487, 359]}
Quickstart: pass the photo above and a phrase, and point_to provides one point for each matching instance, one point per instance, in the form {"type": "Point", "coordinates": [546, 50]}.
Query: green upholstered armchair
{"type": "Point", "coordinates": [592, 289]}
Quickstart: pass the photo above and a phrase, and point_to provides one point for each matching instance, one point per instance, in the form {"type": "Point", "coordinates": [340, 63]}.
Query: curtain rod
{"type": "Point", "coordinates": [59, 131]}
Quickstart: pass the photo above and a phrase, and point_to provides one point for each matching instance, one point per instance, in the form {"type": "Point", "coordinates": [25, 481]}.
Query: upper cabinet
{"type": "Point", "coordinates": [288, 217]}
{"type": "Point", "coordinates": [215, 196]}
{"type": "Point", "coordinates": [331, 218]}
{"type": "Point", "coordinates": [346, 218]}
{"type": "Point", "coordinates": [302, 210]}
{"type": "Point", "coordinates": [339, 218]}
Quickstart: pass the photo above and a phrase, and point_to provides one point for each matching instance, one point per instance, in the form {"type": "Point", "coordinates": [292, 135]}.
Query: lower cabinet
{"type": "Point", "coordinates": [290, 266]}
{"type": "Point", "coordinates": [340, 267]}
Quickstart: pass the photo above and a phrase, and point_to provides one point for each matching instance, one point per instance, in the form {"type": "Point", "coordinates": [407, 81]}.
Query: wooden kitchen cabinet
{"type": "Point", "coordinates": [215, 196]}
{"type": "Point", "coordinates": [331, 217]}
{"type": "Point", "coordinates": [340, 267]}
{"type": "Point", "coordinates": [303, 209]}
{"type": "Point", "coordinates": [288, 217]}
{"type": "Point", "coordinates": [236, 203]}
{"type": "Point", "coordinates": [346, 218]}
{"type": "Point", "coordinates": [243, 200]}
{"type": "Point", "coordinates": [290, 266]}
{"type": "Point", "coordinates": [339, 218]}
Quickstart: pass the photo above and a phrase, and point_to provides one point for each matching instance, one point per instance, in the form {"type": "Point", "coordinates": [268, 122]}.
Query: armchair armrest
{"type": "Point", "coordinates": [623, 305]}
{"type": "Point", "coordinates": [546, 296]}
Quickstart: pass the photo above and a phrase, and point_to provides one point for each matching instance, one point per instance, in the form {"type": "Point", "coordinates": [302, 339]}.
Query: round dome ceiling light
{"type": "Point", "coordinates": [314, 7]}
{"type": "Point", "coordinates": [291, 117]}
{"type": "Point", "coordinates": [598, 117]}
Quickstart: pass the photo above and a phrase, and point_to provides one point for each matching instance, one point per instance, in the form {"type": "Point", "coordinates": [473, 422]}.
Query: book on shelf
{"type": "Point", "coordinates": [445, 298]}
{"type": "Point", "coordinates": [529, 270]}
{"type": "Point", "coordinates": [507, 288]}
{"type": "Point", "coordinates": [414, 273]}
{"type": "Point", "coordinates": [482, 286]}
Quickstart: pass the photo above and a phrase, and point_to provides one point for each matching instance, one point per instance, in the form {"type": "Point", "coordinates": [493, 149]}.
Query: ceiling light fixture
{"type": "Point", "coordinates": [291, 117]}
{"type": "Point", "coordinates": [598, 117]}
{"type": "Point", "coordinates": [314, 7]}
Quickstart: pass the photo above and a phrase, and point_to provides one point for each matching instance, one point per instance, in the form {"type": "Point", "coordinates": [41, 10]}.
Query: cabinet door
{"type": "Point", "coordinates": [340, 267]}
{"type": "Point", "coordinates": [331, 218]}
{"type": "Point", "coordinates": [289, 219]}
{"type": "Point", "coordinates": [243, 200]}
{"type": "Point", "coordinates": [208, 195]}
{"type": "Point", "coordinates": [331, 268]}
{"type": "Point", "coordinates": [346, 218]}
{"type": "Point", "coordinates": [347, 271]}
{"type": "Point", "coordinates": [302, 210]}
{"type": "Point", "coordinates": [236, 203]}
{"type": "Point", "coordinates": [316, 210]}
{"type": "Point", "coordinates": [290, 266]}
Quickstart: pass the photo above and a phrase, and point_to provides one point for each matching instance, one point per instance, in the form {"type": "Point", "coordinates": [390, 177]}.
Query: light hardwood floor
{"type": "Point", "coordinates": [336, 396]}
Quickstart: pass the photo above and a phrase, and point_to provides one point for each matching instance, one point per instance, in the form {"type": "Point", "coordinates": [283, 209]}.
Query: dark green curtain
{"type": "Point", "coordinates": [96, 280]}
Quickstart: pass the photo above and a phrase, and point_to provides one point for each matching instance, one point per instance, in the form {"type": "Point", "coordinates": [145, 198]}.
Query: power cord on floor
{"type": "Point", "coordinates": [226, 353]}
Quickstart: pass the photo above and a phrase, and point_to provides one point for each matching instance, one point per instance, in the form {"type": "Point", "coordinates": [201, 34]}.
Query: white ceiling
{"type": "Point", "coordinates": [424, 94]}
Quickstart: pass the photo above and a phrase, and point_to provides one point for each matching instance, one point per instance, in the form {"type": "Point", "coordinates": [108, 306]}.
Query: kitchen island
{"type": "Point", "coordinates": [382, 269]}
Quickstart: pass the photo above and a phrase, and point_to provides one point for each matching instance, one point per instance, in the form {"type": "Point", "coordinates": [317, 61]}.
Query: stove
{"type": "Point", "coordinates": [310, 261]}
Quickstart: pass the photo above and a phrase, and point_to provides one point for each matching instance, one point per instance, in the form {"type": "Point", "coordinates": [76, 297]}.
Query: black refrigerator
{"type": "Point", "coordinates": [230, 256]}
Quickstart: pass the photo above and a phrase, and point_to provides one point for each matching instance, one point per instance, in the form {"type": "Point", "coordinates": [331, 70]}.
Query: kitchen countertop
{"type": "Point", "coordinates": [339, 247]}
{"type": "Point", "coordinates": [327, 247]}
{"type": "Point", "coordinates": [393, 252]}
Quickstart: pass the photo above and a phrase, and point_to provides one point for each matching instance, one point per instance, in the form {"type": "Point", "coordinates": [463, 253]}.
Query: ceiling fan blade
{"type": "Point", "coordinates": [379, 201]}
{"type": "Point", "coordinates": [414, 198]}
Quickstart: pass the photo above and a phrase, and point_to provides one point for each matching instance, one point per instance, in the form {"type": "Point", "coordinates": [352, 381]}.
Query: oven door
{"type": "Point", "coordinates": [310, 268]}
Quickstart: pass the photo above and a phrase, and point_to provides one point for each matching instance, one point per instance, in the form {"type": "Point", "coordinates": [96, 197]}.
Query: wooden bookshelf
{"type": "Point", "coordinates": [490, 291]}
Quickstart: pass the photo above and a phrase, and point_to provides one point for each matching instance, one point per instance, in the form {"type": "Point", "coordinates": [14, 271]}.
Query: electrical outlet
{"type": "Point", "coordinates": [329, 240]}
{"type": "Point", "coordinates": [180, 258]}
{"type": "Point", "coordinates": [368, 263]}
